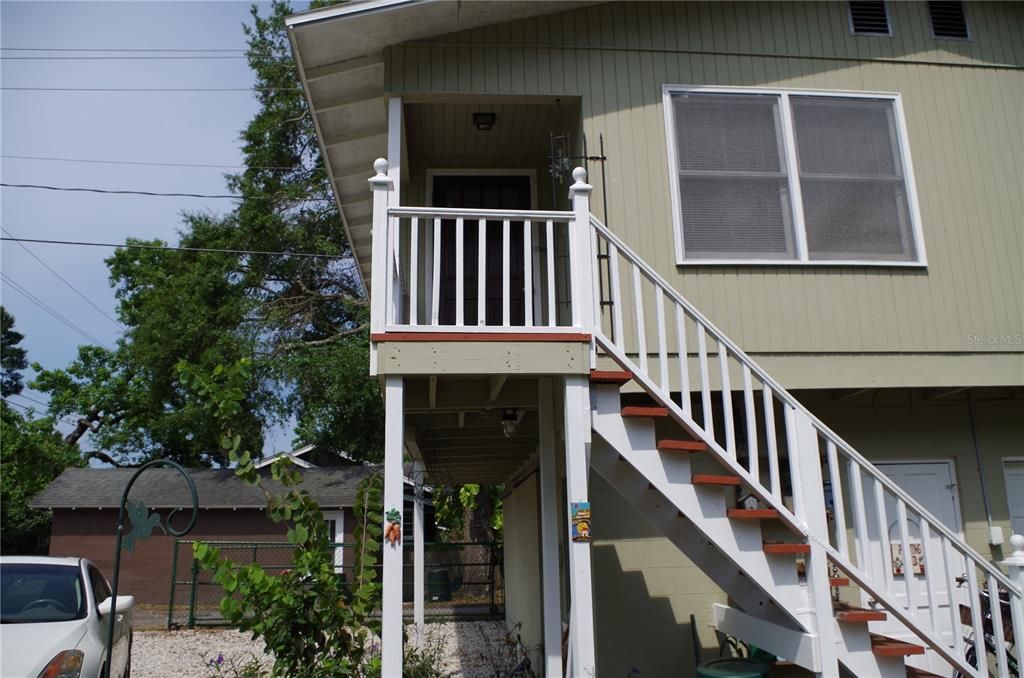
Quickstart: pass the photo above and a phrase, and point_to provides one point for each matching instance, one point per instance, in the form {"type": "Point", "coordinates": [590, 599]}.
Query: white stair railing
{"type": "Point", "coordinates": [746, 418]}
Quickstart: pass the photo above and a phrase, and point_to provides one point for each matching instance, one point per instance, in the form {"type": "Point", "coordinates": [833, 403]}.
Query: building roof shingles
{"type": "Point", "coordinates": [217, 488]}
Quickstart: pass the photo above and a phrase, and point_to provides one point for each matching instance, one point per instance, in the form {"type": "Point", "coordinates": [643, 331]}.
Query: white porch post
{"type": "Point", "coordinates": [1015, 568]}
{"type": "Point", "coordinates": [417, 554]}
{"type": "Point", "coordinates": [581, 621]}
{"type": "Point", "coordinates": [809, 502]}
{"type": "Point", "coordinates": [581, 257]}
{"type": "Point", "coordinates": [391, 605]}
{"type": "Point", "coordinates": [381, 186]}
{"type": "Point", "coordinates": [551, 606]}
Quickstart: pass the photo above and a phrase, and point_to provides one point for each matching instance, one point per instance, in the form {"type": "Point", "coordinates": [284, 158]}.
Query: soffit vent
{"type": "Point", "coordinates": [869, 18]}
{"type": "Point", "coordinates": [948, 20]}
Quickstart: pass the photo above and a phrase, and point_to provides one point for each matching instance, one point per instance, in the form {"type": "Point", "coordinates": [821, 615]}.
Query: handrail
{"type": "Point", "coordinates": [652, 275]}
{"type": "Point", "coordinates": [472, 213]}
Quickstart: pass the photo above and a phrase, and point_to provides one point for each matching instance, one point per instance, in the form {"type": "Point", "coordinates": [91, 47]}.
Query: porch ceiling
{"type": "Point", "coordinates": [458, 433]}
{"type": "Point", "coordinates": [339, 53]}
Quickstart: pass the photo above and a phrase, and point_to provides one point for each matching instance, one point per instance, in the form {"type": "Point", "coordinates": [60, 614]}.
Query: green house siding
{"type": "Point", "coordinates": [961, 99]}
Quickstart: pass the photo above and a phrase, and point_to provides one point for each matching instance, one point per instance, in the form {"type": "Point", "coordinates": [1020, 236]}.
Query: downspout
{"type": "Point", "coordinates": [994, 538]}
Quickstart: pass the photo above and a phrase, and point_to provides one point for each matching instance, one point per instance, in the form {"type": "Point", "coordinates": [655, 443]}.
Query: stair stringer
{"type": "Point", "coordinates": [684, 535]}
{"type": "Point", "coordinates": [704, 508]}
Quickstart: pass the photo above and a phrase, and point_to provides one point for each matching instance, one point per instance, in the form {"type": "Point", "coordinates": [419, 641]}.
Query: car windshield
{"type": "Point", "coordinates": [32, 593]}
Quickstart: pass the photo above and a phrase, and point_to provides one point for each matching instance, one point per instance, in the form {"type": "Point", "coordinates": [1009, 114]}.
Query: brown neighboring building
{"type": "Point", "coordinates": [84, 502]}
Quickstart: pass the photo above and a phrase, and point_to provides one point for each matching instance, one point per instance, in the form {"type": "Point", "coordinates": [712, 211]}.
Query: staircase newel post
{"type": "Point", "coordinates": [381, 185]}
{"type": "Point", "coordinates": [805, 471]}
{"type": "Point", "coordinates": [581, 258]}
{"type": "Point", "coordinates": [1015, 568]}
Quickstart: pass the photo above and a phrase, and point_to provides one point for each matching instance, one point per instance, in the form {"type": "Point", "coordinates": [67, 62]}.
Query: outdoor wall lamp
{"type": "Point", "coordinates": [484, 121]}
{"type": "Point", "coordinates": [509, 421]}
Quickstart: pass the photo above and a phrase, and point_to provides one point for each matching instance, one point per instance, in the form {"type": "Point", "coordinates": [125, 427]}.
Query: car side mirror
{"type": "Point", "coordinates": [124, 603]}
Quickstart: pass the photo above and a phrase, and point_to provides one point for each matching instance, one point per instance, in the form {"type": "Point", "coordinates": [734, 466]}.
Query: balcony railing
{"type": "Point", "coordinates": [480, 270]}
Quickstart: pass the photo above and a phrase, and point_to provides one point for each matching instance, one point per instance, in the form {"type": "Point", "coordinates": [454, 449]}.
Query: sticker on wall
{"type": "Point", "coordinates": [916, 558]}
{"type": "Point", "coordinates": [581, 521]}
{"type": "Point", "coordinates": [393, 529]}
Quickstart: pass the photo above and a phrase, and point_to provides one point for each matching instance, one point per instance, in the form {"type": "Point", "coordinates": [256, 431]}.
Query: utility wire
{"type": "Point", "coordinates": [63, 280]}
{"type": "Point", "coordinates": [146, 164]}
{"type": "Point", "coordinates": [119, 49]}
{"type": "Point", "coordinates": [152, 89]}
{"type": "Point", "coordinates": [29, 409]}
{"type": "Point", "coordinates": [179, 249]}
{"type": "Point", "coordinates": [49, 309]}
{"type": "Point", "coordinates": [31, 399]}
{"type": "Point", "coordinates": [159, 194]}
{"type": "Point", "coordinates": [173, 57]}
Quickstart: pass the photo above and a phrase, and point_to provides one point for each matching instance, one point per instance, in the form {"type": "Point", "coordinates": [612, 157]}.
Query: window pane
{"type": "Point", "coordinates": [727, 132]}
{"type": "Point", "coordinates": [856, 219]}
{"type": "Point", "coordinates": [852, 179]}
{"type": "Point", "coordinates": [733, 189]}
{"type": "Point", "coordinates": [735, 217]}
{"type": "Point", "coordinates": [845, 136]}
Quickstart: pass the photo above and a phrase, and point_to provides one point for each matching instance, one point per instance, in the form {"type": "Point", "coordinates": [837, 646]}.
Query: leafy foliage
{"type": "Point", "coordinates": [471, 511]}
{"type": "Point", "coordinates": [32, 454]}
{"type": "Point", "coordinates": [311, 622]}
{"type": "Point", "coordinates": [288, 315]}
{"type": "Point", "coordinates": [12, 357]}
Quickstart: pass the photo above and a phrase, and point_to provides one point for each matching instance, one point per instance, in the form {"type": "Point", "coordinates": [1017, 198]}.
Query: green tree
{"type": "Point", "coordinates": [12, 357]}
{"type": "Point", "coordinates": [31, 455]}
{"type": "Point", "coordinates": [301, 321]}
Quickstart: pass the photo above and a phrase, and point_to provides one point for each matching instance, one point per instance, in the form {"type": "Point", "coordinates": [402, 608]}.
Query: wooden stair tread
{"type": "Point", "coordinates": [786, 547]}
{"type": "Point", "coordinates": [850, 613]}
{"type": "Point", "coordinates": [617, 377]}
{"type": "Point", "coordinates": [682, 446]}
{"type": "Point", "coordinates": [644, 411]}
{"type": "Point", "coordinates": [752, 514]}
{"type": "Point", "coordinates": [711, 479]}
{"type": "Point", "coordinates": [883, 646]}
{"type": "Point", "coordinates": [838, 581]}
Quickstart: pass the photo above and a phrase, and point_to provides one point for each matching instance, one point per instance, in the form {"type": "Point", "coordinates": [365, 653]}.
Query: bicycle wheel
{"type": "Point", "coordinates": [972, 659]}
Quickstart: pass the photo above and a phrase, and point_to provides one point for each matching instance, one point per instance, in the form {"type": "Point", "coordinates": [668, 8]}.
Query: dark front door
{"type": "Point", "coordinates": [482, 192]}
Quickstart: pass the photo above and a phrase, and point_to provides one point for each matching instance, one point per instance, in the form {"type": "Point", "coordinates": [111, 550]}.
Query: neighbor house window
{"type": "Point", "coordinates": [790, 177]}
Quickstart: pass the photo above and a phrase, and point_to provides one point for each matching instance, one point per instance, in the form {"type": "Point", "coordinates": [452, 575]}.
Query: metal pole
{"type": "Point", "coordinates": [193, 588]}
{"type": "Point", "coordinates": [167, 527]}
{"type": "Point", "coordinates": [174, 577]}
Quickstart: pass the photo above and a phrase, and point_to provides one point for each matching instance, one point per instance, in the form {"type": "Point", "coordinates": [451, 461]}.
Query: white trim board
{"type": "Point", "coordinates": [800, 255]}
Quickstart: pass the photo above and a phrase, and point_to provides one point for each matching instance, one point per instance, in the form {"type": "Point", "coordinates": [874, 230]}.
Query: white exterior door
{"type": "Point", "coordinates": [1014, 474]}
{"type": "Point", "coordinates": [933, 484]}
{"type": "Point", "coordinates": [336, 535]}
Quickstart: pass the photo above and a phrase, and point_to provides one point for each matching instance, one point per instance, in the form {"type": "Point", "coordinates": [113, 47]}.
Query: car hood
{"type": "Point", "coordinates": [26, 648]}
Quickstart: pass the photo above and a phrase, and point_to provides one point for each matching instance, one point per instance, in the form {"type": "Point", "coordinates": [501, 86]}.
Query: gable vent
{"type": "Point", "coordinates": [948, 20]}
{"type": "Point", "coordinates": [869, 18]}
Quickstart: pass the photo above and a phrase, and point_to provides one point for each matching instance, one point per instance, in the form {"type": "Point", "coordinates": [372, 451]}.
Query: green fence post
{"type": "Point", "coordinates": [192, 594]}
{"type": "Point", "coordinates": [174, 577]}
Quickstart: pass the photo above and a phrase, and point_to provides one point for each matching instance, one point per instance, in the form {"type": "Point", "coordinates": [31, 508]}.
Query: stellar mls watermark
{"type": "Point", "coordinates": [995, 339]}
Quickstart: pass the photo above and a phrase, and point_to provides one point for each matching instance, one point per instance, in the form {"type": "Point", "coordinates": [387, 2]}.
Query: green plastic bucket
{"type": "Point", "coordinates": [733, 667]}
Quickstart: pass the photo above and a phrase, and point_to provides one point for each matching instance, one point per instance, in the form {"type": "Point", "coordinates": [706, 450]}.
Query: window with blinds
{"type": "Point", "coordinates": [788, 177]}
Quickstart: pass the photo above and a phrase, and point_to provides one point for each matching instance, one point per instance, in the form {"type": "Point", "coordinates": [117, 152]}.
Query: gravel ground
{"type": "Point", "coordinates": [463, 650]}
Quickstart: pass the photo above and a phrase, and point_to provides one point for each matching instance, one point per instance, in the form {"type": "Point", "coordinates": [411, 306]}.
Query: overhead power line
{"type": "Point", "coordinates": [49, 309]}
{"type": "Point", "coordinates": [63, 280]}
{"type": "Point", "coordinates": [136, 57]}
{"type": "Point", "coordinates": [151, 89]}
{"type": "Point", "coordinates": [145, 163]}
{"type": "Point", "coordinates": [140, 246]}
{"type": "Point", "coordinates": [120, 49]}
{"type": "Point", "coordinates": [159, 194]}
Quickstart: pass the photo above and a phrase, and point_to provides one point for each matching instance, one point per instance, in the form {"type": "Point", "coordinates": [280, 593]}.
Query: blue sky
{"type": "Point", "coordinates": [165, 127]}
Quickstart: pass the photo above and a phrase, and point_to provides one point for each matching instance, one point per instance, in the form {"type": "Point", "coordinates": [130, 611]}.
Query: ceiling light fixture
{"type": "Point", "coordinates": [509, 421]}
{"type": "Point", "coordinates": [484, 122]}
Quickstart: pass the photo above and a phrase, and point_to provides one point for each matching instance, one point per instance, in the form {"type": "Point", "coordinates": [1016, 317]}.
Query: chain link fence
{"type": "Point", "coordinates": [462, 580]}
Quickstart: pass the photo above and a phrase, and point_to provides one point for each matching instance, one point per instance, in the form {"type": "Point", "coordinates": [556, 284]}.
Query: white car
{"type": "Point", "coordinates": [54, 616]}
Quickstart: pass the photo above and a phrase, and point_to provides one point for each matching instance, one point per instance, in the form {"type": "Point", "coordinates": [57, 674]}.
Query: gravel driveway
{"type": "Point", "coordinates": [466, 649]}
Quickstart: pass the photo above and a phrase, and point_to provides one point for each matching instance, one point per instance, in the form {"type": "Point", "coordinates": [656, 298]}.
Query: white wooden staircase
{"type": "Point", "coordinates": [734, 470]}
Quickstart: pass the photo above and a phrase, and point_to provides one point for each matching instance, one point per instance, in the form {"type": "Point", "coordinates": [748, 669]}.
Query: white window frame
{"type": "Point", "coordinates": [792, 170]}
{"type": "Point", "coordinates": [339, 537]}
